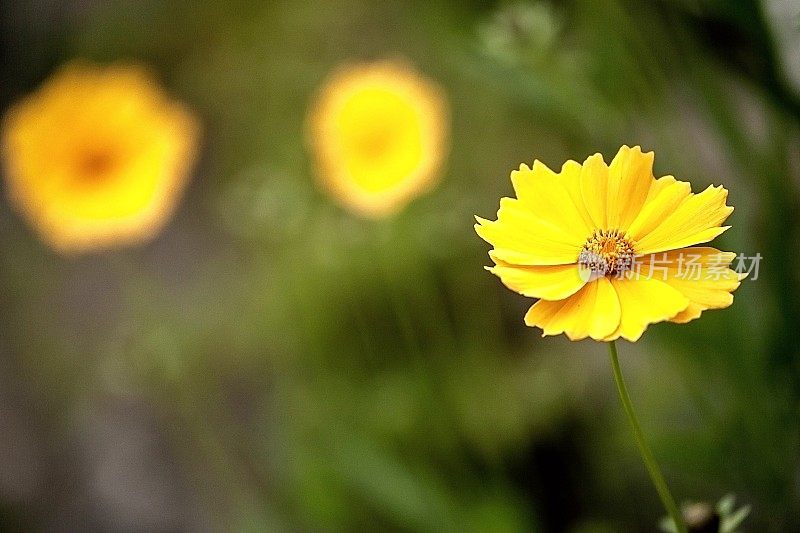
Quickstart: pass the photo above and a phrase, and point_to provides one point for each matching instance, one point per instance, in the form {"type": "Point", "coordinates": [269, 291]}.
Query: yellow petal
{"type": "Point", "coordinates": [593, 311]}
{"type": "Point", "coordinates": [644, 301]}
{"type": "Point", "coordinates": [571, 180]}
{"type": "Point", "coordinates": [665, 195]}
{"type": "Point", "coordinates": [696, 219]}
{"type": "Point", "coordinates": [522, 238]}
{"type": "Point", "coordinates": [701, 274]}
{"type": "Point", "coordinates": [687, 315]}
{"type": "Point", "coordinates": [594, 189]}
{"type": "Point", "coordinates": [550, 282]}
{"type": "Point", "coordinates": [630, 177]}
{"type": "Point", "coordinates": [543, 192]}
{"type": "Point", "coordinates": [659, 185]}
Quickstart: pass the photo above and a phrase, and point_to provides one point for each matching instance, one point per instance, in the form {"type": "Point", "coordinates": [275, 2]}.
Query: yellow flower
{"type": "Point", "coordinates": [97, 157]}
{"type": "Point", "coordinates": [379, 133]}
{"type": "Point", "coordinates": [609, 249]}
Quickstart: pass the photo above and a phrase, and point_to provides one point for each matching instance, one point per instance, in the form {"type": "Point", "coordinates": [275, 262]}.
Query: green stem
{"type": "Point", "coordinates": [647, 454]}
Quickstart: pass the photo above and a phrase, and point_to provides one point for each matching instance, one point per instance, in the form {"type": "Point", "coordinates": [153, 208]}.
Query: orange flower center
{"type": "Point", "coordinates": [95, 165]}
{"type": "Point", "coordinates": [606, 253]}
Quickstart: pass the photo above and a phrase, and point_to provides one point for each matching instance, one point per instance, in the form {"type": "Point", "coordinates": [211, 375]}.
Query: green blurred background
{"type": "Point", "coordinates": [270, 362]}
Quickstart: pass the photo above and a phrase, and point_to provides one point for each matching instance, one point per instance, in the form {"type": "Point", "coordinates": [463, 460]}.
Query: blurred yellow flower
{"type": "Point", "coordinates": [379, 134]}
{"type": "Point", "coordinates": [97, 157]}
{"type": "Point", "coordinates": [609, 249]}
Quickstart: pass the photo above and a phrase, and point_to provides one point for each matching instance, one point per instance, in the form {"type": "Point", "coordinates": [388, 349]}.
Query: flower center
{"type": "Point", "coordinates": [94, 165]}
{"type": "Point", "coordinates": [606, 253]}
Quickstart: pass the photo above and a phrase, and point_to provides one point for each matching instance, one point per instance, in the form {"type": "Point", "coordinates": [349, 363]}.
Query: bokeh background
{"type": "Point", "coordinates": [272, 362]}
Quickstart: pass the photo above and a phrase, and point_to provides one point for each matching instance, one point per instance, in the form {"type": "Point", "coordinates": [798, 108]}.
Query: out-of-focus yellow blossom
{"type": "Point", "coordinates": [98, 156]}
{"type": "Point", "coordinates": [379, 135]}
{"type": "Point", "coordinates": [609, 249]}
